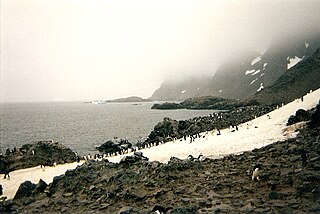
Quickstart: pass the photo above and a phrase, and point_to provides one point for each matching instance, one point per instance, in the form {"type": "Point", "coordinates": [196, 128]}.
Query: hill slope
{"type": "Point", "coordinates": [243, 75]}
{"type": "Point", "coordinates": [294, 83]}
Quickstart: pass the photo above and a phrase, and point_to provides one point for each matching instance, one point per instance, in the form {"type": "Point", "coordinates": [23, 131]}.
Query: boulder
{"type": "Point", "coordinates": [41, 186]}
{"type": "Point", "coordinates": [25, 190]}
{"type": "Point", "coordinates": [112, 147]}
{"type": "Point", "coordinates": [315, 118]}
{"type": "Point", "coordinates": [301, 115]}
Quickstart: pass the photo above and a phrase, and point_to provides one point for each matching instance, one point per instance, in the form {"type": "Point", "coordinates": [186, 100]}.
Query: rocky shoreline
{"type": "Point", "coordinates": [45, 153]}
{"type": "Point", "coordinates": [289, 183]}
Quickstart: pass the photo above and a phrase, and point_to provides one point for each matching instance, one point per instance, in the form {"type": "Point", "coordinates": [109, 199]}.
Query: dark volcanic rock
{"type": "Point", "coordinates": [41, 186]}
{"type": "Point", "coordinates": [42, 153]}
{"type": "Point", "coordinates": [315, 118]}
{"type": "Point", "coordinates": [25, 190]}
{"type": "Point", "coordinates": [301, 115]}
{"type": "Point", "coordinates": [114, 147]}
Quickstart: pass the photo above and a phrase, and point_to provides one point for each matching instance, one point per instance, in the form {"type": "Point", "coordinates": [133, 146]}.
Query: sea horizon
{"type": "Point", "coordinates": [82, 126]}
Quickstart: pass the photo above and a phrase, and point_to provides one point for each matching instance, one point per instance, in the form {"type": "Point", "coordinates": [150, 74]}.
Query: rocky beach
{"type": "Point", "coordinates": [288, 179]}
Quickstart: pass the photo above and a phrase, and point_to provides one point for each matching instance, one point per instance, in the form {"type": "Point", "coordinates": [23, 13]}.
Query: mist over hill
{"type": "Point", "coordinates": [245, 74]}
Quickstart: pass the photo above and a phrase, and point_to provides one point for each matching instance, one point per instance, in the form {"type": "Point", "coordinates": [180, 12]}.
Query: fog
{"type": "Point", "coordinates": [72, 50]}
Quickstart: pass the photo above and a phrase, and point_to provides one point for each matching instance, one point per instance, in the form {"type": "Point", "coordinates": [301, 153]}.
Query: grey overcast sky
{"type": "Point", "coordinates": [68, 50]}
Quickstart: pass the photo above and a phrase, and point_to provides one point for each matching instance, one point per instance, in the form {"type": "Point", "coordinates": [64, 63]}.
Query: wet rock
{"type": "Point", "coordinates": [41, 186]}
{"type": "Point", "coordinates": [315, 118]}
{"type": "Point", "coordinates": [113, 146]}
{"type": "Point", "coordinates": [184, 210]}
{"type": "Point", "coordinates": [25, 190]}
{"type": "Point", "coordinates": [276, 195]}
{"type": "Point", "coordinates": [273, 184]}
{"type": "Point", "coordinates": [301, 115]}
{"type": "Point", "coordinates": [7, 206]}
{"type": "Point", "coordinates": [225, 208]}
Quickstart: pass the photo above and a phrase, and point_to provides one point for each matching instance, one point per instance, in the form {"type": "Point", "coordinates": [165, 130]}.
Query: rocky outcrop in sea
{"type": "Point", "coordinates": [289, 182]}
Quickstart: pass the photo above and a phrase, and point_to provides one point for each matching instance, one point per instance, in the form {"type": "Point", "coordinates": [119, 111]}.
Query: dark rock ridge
{"type": "Point", "coordinates": [41, 153]}
{"type": "Point", "coordinates": [301, 115]}
{"type": "Point", "coordinates": [207, 102]}
{"type": "Point", "coordinates": [289, 183]}
{"type": "Point", "coordinates": [169, 129]}
{"type": "Point", "coordinates": [114, 147]}
{"type": "Point", "coordinates": [244, 75]}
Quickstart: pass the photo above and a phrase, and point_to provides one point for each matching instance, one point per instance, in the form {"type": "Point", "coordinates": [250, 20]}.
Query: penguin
{"type": "Point", "coordinates": [255, 174]}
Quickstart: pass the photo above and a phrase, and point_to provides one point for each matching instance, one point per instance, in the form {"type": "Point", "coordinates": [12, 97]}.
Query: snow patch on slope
{"type": "Point", "coordinates": [253, 81]}
{"type": "Point", "coordinates": [184, 91]}
{"type": "Point", "coordinates": [256, 60]}
{"type": "Point", "coordinates": [250, 71]}
{"type": "Point", "coordinates": [261, 87]}
{"type": "Point", "coordinates": [258, 71]}
{"type": "Point", "coordinates": [293, 61]}
{"type": "Point", "coordinates": [306, 44]}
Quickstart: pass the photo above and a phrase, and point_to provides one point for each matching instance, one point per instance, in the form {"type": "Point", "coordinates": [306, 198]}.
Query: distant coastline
{"type": "Point", "coordinates": [132, 99]}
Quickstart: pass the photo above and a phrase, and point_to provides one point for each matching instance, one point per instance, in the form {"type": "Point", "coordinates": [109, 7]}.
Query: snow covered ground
{"type": "Point", "coordinates": [33, 174]}
{"type": "Point", "coordinates": [247, 138]}
{"type": "Point", "coordinates": [254, 134]}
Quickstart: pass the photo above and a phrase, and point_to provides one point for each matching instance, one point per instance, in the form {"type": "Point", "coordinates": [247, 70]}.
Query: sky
{"type": "Point", "coordinates": [82, 50]}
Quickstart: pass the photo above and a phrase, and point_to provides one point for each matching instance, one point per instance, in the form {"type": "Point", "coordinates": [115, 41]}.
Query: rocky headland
{"type": "Point", "coordinates": [289, 182]}
{"type": "Point", "coordinates": [44, 153]}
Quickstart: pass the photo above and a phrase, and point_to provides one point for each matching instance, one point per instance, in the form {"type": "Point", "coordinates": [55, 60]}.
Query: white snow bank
{"type": "Point", "coordinates": [247, 138]}
{"type": "Point", "coordinates": [34, 174]}
{"type": "Point", "coordinates": [256, 60]}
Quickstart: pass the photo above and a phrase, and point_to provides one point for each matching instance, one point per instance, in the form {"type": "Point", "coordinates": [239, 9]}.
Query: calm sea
{"type": "Point", "coordinates": [81, 126]}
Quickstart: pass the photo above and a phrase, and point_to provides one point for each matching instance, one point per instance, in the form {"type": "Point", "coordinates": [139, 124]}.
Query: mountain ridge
{"type": "Point", "coordinates": [243, 76]}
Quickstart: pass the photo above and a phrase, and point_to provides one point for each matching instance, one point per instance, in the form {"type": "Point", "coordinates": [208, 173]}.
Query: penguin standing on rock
{"type": "Point", "coordinates": [256, 172]}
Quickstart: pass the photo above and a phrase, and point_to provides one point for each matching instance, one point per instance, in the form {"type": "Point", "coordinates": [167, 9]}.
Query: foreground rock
{"type": "Point", "coordinates": [41, 153]}
{"type": "Point", "coordinates": [289, 183]}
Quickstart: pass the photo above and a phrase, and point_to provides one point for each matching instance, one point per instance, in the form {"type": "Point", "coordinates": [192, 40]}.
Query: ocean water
{"type": "Point", "coordinates": [81, 126]}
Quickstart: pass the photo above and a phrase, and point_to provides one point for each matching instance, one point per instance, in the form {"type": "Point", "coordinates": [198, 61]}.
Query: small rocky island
{"type": "Point", "coordinates": [132, 99]}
